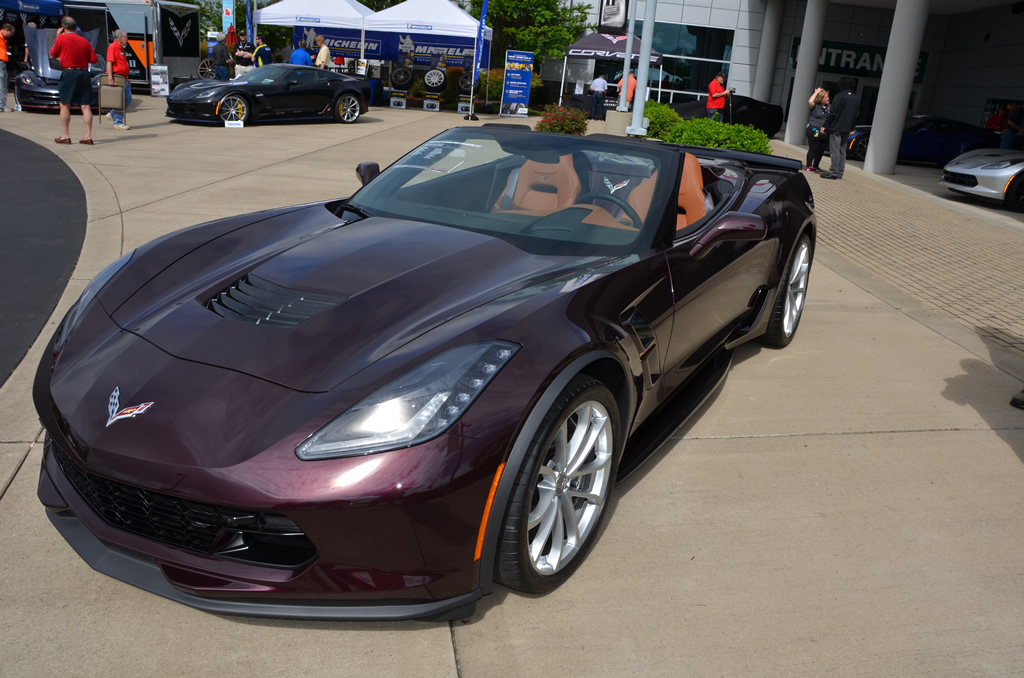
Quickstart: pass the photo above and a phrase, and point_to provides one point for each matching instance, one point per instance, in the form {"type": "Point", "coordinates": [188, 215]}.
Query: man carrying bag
{"type": "Point", "coordinates": [117, 64]}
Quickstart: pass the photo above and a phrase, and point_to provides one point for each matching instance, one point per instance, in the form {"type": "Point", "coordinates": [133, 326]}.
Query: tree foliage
{"type": "Point", "coordinates": [544, 27]}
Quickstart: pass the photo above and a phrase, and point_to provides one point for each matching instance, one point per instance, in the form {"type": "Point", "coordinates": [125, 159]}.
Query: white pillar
{"type": "Point", "coordinates": [897, 80]}
{"type": "Point", "coordinates": [807, 58]}
{"type": "Point", "coordinates": [640, 96]}
{"type": "Point", "coordinates": [769, 47]}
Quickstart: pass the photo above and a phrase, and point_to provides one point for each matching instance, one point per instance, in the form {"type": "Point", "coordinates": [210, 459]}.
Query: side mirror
{"type": "Point", "coordinates": [367, 171]}
{"type": "Point", "coordinates": [734, 226]}
{"type": "Point", "coordinates": [290, 84]}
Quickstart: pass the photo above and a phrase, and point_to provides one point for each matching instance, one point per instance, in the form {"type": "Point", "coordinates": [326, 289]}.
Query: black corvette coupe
{"type": "Point", "coordinates": [377, 406]}
{"type": "Point", "coordinates": [274, 92]}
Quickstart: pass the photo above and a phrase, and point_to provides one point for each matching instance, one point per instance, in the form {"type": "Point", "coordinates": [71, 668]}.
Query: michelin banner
{"type": "Point", "coordinates": [408, 49]}
{"type": "Point", "coordinates": [515, 95]}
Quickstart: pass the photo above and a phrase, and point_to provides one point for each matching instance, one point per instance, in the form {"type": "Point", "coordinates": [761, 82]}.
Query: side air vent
{"type": "Point", "coordinates": [258, 301]}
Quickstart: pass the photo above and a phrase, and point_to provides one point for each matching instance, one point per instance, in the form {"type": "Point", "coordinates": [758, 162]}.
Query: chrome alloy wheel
{"type": "Point", "coordinates": [434, 78]}
{"type": "Point", "coordinates": [232, 108]}
{"type": "Point", "coordinates": [348, 108]}
{"type": "Point", "coordinates": [571, 488]}
{"type": "Point", "coordinates": [796, 287]}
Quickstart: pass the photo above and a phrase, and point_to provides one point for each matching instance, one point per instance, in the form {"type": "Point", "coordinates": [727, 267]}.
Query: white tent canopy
{"type": "Point", "coordinates": [322, 13]}
{"type": "Point", "coordinates": [438, 17]}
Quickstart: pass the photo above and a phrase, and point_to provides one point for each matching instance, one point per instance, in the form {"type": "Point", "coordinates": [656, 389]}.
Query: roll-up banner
{"type": "Point", "coordinates": [515, 94]}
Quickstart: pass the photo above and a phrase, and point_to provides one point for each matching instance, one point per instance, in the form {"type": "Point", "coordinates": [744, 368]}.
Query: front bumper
{"type": "Point", "coordinates": [216, 586]}
{"type": "Point", "coordinates": [981, 183]}
{"type": "Point", "coordinates": [192, 110]}
{"type": "Point", "coordinates": [30, 96]}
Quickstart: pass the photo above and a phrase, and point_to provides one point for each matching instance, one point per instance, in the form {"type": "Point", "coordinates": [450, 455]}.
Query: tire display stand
{"type": "Point", "coordinates": [432, 102]}
{"type": "Point", "coordinates": [398, 98]}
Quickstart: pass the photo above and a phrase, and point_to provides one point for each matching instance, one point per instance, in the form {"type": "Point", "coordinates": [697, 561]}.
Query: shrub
{"type": "Point", "coordinates": [706, 132]}
{"type": "Point", "coordinates": [660, 119]}
{"type": "Point", "coordinates": [562, 120]}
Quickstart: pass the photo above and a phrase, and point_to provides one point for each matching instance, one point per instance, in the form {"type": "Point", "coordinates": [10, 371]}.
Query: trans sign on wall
{"type": "Point", "coordinates": [515, 95]}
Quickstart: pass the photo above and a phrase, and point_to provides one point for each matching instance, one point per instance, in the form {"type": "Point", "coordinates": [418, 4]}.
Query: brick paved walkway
{"type": "Point", "coordinates": [970, 269]}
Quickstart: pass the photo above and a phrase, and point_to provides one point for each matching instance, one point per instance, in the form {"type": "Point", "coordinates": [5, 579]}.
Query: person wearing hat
{"type": "Point", "coordinates": [243, 54]}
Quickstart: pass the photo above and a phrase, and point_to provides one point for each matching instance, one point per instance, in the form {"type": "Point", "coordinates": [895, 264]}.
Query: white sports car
{"type": "Point", "coordinates": [988, 173]}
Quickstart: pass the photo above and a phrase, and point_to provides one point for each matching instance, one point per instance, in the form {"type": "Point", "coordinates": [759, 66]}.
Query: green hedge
{"type": "Point", "coordinates": [660, 119]}
{"type": "Point", "coordinates": [707, 132]}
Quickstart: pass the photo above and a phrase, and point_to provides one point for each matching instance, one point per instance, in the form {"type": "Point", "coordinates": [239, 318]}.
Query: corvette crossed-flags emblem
{"type": "Point", "coordinates": [114, 402]}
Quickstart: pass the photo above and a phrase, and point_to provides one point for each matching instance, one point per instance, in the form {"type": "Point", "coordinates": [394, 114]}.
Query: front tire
{"type": "Point", "coordinates": [234, 108]}
{"type": "Point", "coordinates": [1015, 194]}
{"type": "Point", "coordinates": [789, 304]}
{"type": "Point", "coordinates": [562, 490]}
{"type": "Point", "coordinates": [346, 108]}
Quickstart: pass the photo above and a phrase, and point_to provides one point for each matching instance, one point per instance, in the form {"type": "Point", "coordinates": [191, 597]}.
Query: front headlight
{"type": "Point", "coordinates": [90, 292]}
{"type": "Point", "coordinates": [414, 408]}
{"type": "Point", "coordinates": [208, 94]}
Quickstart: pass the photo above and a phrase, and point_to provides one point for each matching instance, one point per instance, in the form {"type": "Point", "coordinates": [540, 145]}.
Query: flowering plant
{"type": "Point", "coordinates": [562, 120]}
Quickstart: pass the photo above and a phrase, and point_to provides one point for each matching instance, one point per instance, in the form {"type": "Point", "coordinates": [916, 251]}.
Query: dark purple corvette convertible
{"type": "Point", "coordinates": [377, 407]}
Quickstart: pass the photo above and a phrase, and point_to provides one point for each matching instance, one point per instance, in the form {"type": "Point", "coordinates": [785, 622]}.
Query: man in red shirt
{"type": "Point", "coordinates": [117, 64]}
{"type": "Point", "coordinates": [75, 86]}
{"type": "Point", "coordinates": [630, 88]}
{"type": "Point", "coordinates": [716, 97]}
{"type": "Point", "coordinates": [6, 33]}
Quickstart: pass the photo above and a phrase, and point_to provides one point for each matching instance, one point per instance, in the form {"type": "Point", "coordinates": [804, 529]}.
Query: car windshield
{"type": "Point", "coordinates": [545, 193]}
{"type": "Point", "coordinates": [265, 75]}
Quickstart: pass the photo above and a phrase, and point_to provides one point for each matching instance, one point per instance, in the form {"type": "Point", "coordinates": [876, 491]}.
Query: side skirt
{"type": "Point", "coordinates": [673, 413]}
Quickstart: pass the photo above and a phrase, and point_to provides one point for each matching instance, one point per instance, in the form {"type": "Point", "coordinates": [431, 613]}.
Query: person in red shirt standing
{"type": "Point", "coordinates": [716, 97]}
{"type": "Point", "coordinates": [75, 86]}
{"type": "Point", "coordinates": [6, 33]}
{"type": "Point", "coordinates": [117, 64]}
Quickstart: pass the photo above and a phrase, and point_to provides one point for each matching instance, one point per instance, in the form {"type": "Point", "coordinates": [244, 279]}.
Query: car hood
{"type": "Point", "coordinates": [983, 156]}
{"type": "Point", "coordinates": [384, 282]}
{"type": "Point", "coordinates": [40, 40]}
{"type": "Point", "coordinates": [196, 88]}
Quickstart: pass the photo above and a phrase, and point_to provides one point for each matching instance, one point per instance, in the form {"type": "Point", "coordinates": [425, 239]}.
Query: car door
{"type": "Point", "coordinates": [714, 287]}
{"type": "Point", "coordinates": [291, 94]}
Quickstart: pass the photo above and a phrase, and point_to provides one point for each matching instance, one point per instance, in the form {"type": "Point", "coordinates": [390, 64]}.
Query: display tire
{"type": "Point", "coordinates": [402, 78]}
{"type": "Point", "coordinates": [206, 69]}
{"type": "Point", "coordinates": [435, 80]}
{"type": "Point", "coordinates": [466, 83]}
{"type": "Point", "coordinates": [554, 488]}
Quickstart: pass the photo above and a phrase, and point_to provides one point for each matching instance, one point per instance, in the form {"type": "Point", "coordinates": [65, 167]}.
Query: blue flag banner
{"type": "Point", "coordinates": [248, 20]}
{"type": "Point", "coordinates": [480, 42]}
{"type": "Point", "coordinates": [515, 94]}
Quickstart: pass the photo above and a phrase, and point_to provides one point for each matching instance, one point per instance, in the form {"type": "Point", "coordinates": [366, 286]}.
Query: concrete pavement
{"type": "Point", "coordinates": [851, 505]}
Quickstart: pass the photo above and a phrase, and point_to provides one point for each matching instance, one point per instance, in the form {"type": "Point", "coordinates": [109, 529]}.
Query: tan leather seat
{"type": "Point", "coordinates": [641, 196]}
{"type": "Point", "coordinates": [541, 188]}
{"type": "Point", "coordinates": [691, 193]}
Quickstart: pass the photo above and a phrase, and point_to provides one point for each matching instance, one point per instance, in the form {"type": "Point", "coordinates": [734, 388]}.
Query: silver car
{"type": "Point", "coordinates": [988, 173]}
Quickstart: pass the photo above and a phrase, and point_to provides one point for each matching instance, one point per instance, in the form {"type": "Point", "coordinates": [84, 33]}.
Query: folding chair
{"type": "Point", "coordinates": [111, 96]}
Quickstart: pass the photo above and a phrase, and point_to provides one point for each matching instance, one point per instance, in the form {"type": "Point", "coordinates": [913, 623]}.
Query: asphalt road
{"type": "Point", "coordinates": [42, 229]}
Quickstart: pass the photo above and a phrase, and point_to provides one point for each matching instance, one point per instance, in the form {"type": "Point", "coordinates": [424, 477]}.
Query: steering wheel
{"type": "Point", "coordinates": [634, 216]}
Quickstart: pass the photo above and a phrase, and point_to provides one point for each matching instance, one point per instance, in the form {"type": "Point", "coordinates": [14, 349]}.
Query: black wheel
{"type": "Point", "coordinates": [1015, 194]}
{"type": "Point", "coordinates": [638, 223]}
{"type": "Point", "coordinates": [789, 304]}
{"type": "Point", "coordinates": [859, 150]}
{"type": "Point", "coordinates": [434, 80]}
{"type": "Point", "coordinates": [206, 69]}
{"type": "Point", "coordinates": [562, 489]}
{"type": "Point", "coordinates": [346, 108]}
{"type": "Point", "coordinates": [234, 108]}
{"type": "Point", "coordinates": [401, 78]}
{"type": "Point", "coordinates": [466, 83]}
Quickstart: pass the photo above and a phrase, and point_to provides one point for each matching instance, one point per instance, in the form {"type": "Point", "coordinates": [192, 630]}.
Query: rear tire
{"type": "Point", "coordinates": [561, 493]}
{"type": "Point", "coordinates": [1015, 194]}
{"type": "Point", "coordinates": [789, 303]}
{"type": "Point", "coordinates": [402, 78]}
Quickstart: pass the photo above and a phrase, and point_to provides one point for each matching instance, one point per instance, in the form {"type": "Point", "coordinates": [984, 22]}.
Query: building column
{"type": "Point", "coordinates": [811, 36]}
{"type": "Point", "coordinates": [901, 56]}
{"type": "Point", "coordinates": [766, 52]}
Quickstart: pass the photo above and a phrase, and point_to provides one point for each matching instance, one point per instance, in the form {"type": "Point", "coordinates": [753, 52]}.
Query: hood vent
{"type": "Point", "coordinates": [255, 300]}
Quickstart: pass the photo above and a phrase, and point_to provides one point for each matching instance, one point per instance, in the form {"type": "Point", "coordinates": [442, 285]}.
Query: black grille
{"type": "Point", "coordinates": [252, 536]}
{"type": "Point", "coordinates": [259, 301]}
{"type": "Point", "coordinates": [959, 179]}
